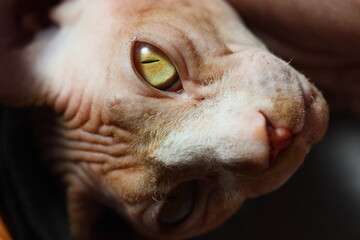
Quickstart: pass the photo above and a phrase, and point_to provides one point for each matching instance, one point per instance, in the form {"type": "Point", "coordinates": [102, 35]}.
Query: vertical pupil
{"type": "Point", "coordinates": [155, 67]}
{"type": "Point", "coordinates": [150, 61]}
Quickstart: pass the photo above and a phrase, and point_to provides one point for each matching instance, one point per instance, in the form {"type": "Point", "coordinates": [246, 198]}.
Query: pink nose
{"type": "Point", "coordinates": [250, 137]}
{"type": "Point", "coordinates": [280, 139]}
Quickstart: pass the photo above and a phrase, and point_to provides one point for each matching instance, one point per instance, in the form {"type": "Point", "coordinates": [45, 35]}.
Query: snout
{"type": "Point", "coordinates": [263, 139]}
{"type": "Point", "coordinates": [208, 167]}
{"type": "Point", "coordinates": [229, 137]}
{"type": "Point", "coordinates": [253, 133]}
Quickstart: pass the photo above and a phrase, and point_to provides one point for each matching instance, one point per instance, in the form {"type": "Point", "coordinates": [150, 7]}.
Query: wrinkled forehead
{"type": "Point", "coordinates": [209, 26]}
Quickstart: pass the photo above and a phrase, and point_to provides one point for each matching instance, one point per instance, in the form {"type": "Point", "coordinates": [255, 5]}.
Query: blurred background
{"type": "Point", "coordinates": [320, 202]}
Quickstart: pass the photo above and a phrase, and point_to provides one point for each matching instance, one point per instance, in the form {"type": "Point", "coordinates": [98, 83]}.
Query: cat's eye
{"type": "Point", "coordinates": [154, 66]}
{"type": "Point", "coordinates": [178, 205]}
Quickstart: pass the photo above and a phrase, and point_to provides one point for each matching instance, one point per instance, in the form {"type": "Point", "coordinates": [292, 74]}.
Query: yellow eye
{"type": "Point", "coordinates": [154, 66]}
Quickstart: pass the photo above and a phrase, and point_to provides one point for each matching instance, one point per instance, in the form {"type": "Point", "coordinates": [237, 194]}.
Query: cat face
{"type": "Point", "coordinates": [170, 112]}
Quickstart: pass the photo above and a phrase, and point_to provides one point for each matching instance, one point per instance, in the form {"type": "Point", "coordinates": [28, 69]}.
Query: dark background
{"type": "Point", "coordinates": [321, 201]}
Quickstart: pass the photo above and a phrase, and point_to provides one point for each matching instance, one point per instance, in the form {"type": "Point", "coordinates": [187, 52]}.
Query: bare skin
{"type": "Point", "coordinates": [116, 141]}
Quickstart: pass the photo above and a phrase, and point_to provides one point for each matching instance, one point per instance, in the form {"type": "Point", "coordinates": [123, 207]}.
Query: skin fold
{"type": "Point", "coordinates": [239, 123]}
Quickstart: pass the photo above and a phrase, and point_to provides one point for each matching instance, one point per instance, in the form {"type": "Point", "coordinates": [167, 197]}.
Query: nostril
{"type": "Point", "coordinates": [179, 204]}
{"type": "Point", "coordinates": [280, 139]}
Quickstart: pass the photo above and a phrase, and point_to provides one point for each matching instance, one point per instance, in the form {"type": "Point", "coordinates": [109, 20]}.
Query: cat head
{"type": "Point", "coordinates": [170, 112]}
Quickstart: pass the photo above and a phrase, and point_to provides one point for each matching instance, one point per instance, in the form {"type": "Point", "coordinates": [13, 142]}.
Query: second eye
{"type": "Point", "coordinates": [154, 66]}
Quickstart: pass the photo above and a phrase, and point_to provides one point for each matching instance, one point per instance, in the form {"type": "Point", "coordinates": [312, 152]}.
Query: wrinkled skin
{"type": "Point", "coordinates": [240, 127]}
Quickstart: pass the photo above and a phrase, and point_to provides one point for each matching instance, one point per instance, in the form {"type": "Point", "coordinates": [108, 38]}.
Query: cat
{"type": "Point", "coordinates": [171, 113]}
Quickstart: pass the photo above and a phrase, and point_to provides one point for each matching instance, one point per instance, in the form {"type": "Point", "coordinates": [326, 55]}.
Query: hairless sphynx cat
{"type": "Point", "coordinates": [169, 112]}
